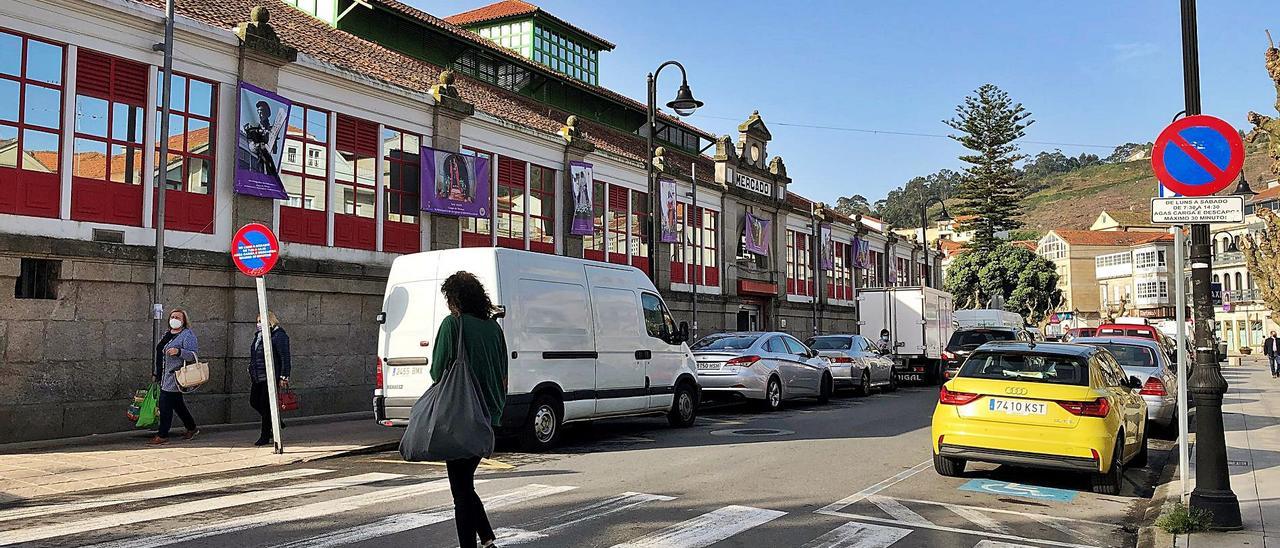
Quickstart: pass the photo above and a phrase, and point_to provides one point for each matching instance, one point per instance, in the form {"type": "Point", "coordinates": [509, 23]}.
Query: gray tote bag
{"type": "Point", "coordinates": [450, 421]}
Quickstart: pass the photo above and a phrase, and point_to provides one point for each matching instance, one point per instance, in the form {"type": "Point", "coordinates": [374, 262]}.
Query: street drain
{"type": "Point", "coordinates": [749, 432]}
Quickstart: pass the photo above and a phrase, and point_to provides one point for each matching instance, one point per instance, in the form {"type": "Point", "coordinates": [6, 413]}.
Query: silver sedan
{"type": "Point", "coordinates": [1145, 359]}
{"type": "Point", "coordinates": [855, 362]}
{"type": "Point", "coordinates": [768, 368]}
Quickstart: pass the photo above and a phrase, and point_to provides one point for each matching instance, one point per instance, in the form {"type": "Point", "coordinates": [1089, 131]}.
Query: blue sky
{"type": "Point", "coordinates": [1090, 72]}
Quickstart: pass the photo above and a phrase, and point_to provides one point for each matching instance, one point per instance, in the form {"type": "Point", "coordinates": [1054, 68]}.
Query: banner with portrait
{"type": "Point", "coordinates": [756, 234]}
{"type": "Point", "coordinates": [827, 248]}
{"type": "Point", "coordinates": [861, 253]}
{"type": "Point", "coordinates": [667, 208]}
{"type": "Point", "coordinates": [459, 183]}
{"type": "Point", "coordinates": [582, 174]}
{"type": "Point", "coordinates": [260, 133]}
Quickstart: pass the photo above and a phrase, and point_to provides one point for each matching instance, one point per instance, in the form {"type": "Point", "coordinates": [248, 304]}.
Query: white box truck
{"type": "Point", "coordinates": [988, 317]}
{"type": "Point", "coordinates": [587, 340]}
{"type": "Point", "coordinates": [919, 321]}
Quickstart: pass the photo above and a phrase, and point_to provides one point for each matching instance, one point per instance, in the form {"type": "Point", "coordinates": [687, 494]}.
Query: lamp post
{"type": "Point", "coordinates": [924, 231]}
{"type": "Point", "coordinates": [683, 105]}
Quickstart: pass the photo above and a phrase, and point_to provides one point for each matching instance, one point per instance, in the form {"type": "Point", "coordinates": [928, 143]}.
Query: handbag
{"type": "Point", "coordinates": [450, 421]}
{"type": "Point", "coordinates": [289, 400]}
{"type": "Point", "coordinates": [193, 374]}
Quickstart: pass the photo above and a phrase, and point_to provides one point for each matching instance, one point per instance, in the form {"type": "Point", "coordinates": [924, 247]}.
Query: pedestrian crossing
{"type": "Point", "coordinates": [328, 508]}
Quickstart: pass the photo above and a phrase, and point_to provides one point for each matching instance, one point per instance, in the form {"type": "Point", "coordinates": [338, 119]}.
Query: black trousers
{"type": "Point", "coordinates": [258, 397]}
{"type": "Point", "coordinates": [468, 510]}
{"type": "Point", "coordinates": [171, 402]}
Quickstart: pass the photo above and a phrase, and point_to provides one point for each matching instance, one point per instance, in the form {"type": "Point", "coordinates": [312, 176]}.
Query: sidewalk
{"type": "Point", "coordinates": [66, 466]}
{"type": "Point", "coordinates": [1251, 417]}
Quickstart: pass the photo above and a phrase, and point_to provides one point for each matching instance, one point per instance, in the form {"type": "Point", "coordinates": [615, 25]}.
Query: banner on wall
{"type": "Point", "coordinates": [862, 253]}
{"type": "Point", "coordinates": [667, 203]}
{"type": "Point", "coordinates": [756, 233]}
{"type": "Point", "coordinates": [582, 174]}
{"type": "Point", "coordinates": [828, 247]}
{"type": "Point", "coordinates": [459, 183]}
{"type": "Point", "coordinates": [263, 122]}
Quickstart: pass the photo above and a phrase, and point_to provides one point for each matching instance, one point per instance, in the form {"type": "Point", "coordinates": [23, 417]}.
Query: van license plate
{"type": "Point", "coordinates": [708, 366]}
{"type": "Point", "coordinates": [1017, 407]}
{"type": "Point", "coordinates": [401, 371]}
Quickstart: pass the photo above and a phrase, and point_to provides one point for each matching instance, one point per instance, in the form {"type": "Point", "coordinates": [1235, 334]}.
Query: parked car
{"type": "Point", "coordinates": [855, 362]}
{"type": "Point", "coordinates": [1146, 359]}
{"type": "Point", "coordinates": [1081, 332]}
{"type": "Point", "coordinates": [1047, 405]}
{"type": "Point", "coordinates": [768, 368]}
{"type": "Point", "coordinates": [588, 340]}
{"type": "Point", "coordinates": [964, 341]}
{"type": "Point", "coordinates": [1169, 345]}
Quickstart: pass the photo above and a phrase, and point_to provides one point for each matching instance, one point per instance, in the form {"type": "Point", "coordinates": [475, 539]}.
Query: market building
{"type": "Point", "coordinates": [368, 87]}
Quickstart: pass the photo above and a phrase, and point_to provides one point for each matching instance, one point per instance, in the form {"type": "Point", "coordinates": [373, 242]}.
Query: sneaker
{"type": "Point", "coordinates": [489, 544]}
{"type": "Point", "coordinates": [262, 441]}
{"type": "Point", "coordinates": [157, 440]}
{"type": "Point", "coordinates": [190, 434]}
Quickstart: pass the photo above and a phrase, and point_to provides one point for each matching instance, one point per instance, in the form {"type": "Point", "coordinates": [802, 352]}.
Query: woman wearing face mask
{"type": "Point", "coordinates": [177, 346]}
{"type": "Point", "coordinates": [258, 395]}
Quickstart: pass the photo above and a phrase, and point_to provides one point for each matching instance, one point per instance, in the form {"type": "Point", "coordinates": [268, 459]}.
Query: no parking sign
{"type": "Point", "coordinates": [255, 249]}
{"type": "Point", "coordinates": [1198, 155]}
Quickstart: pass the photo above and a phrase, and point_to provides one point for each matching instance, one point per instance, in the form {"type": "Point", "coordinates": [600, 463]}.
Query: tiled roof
{"type": "Point", "coordinates": [514, 8]}
{"type": "Point", "coordinates": [1028, 244]}
{"type": "Point", "coordinates": [1130, 218]}
{"type": "Point", "coordinates": [1107, 238]}
{"type": "Point", "coordinates": [798, 201]}
{"type": "Point", "coordinates": [1266, 195]}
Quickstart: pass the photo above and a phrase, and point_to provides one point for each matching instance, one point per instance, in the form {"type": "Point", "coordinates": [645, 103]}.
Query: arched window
{"type": "Point", "coordinates": [1239, 286]}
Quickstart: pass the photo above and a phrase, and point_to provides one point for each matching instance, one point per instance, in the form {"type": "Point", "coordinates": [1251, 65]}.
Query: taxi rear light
{"type": "Point", "coordinates": [1153, 387]}
{"type": "Point", "coordinates": [947, 397]}
{"type": "Point", "coordinates": [377, 375]}
{"type": "Point", "coordinates": [1095, 453]}
{"type": "Point", "coordinates": [1096, 408]}
{"type": "Point", "coordinates": [744, 361]}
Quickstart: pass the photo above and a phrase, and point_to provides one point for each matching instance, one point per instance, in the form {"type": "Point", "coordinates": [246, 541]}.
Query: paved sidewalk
{"type": "Point", "coordinates": [115, 460]}
{"type": "Point", "coordinates": [1251, 417]}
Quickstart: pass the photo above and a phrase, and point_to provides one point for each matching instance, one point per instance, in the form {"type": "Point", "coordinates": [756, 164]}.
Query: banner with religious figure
{"type": "Point", "coordinates": [756, 234]}
{"type": "Point", "coordinates": [582, 174]}
{"type": "Point", "coordinates": [667, 207]}
{"type": "Point", "coordinates": [454, 183]}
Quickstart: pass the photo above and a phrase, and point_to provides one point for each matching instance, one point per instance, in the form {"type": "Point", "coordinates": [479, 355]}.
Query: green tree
{"type": "Point", "coordinates": [988, 125]}
{"type": "Point", "coordinates": [853, 205]}
{"type": "Point", "coordinates": [1026, 282]}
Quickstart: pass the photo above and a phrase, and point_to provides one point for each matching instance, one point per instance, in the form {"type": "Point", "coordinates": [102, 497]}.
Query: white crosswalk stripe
{"type": "Point", "coordinates": [707, 529]}
{"type": "Point", "coordinates": [410, 521]}
{"type": "Point", "coordinates": [994, 544]}
{"type": "Point", "coordinates": [859, 535]}
{"type": "Point", "coordinates": [152, 494]}
{"type": "Point", "coordinates": [557, 523]}
{"type": "Point", "coordinates": [307, 511]}
{"type": "Point", "coordinates": [898, 510]}
{"type": "Point", "coordinates": [185, 508]}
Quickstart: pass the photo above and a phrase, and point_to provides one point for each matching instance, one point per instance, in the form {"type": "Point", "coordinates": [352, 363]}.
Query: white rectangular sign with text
{"type": "Point", "coordinates": [1205, 209]}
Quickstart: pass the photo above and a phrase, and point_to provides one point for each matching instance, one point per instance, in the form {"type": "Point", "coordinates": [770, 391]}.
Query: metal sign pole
{"type": "Point", "coordinates": [1180, 301]}
{"type": "Point", "coordinates": [273, 394]}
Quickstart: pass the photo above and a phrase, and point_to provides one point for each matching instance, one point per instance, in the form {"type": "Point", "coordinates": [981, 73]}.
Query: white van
{"type": "Point", "coordinates": [588, 340]}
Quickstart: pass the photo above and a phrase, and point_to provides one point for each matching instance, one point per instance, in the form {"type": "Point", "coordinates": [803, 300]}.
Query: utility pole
{"type": "Point", "coordinates": [1213, 483]}
{"type": "Point", "coordinates": [162, 172]}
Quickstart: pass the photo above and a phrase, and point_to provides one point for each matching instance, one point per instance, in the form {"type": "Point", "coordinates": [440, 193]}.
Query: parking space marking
{"type": "Point", "coordinates": [975, 532]}
{"type": "Point", "coordinates": [1014, 513]}
{"type": "Point", "coordinates": [859, 535]}
{"type": "Point", "coordinates": [1021, 490]}
{"type": "Point", "coordinates": [897, 510]}
{"type": "Point", "coordinates": [707, 529]}
{"type": "Point", "coordinates": [885, 484]}
{"type": "Point", "coordinates": [1061, 527]}
{"type": "Point", "coordinates": [984, 521]}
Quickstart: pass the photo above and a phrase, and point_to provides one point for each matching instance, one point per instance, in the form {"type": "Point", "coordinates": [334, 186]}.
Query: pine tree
{"type": "Point", "coordinates": [990, 187]}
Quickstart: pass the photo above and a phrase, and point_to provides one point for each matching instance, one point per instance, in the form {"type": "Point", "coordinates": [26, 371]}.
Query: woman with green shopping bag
{"type": "Point", "coordinates": [177, 347]}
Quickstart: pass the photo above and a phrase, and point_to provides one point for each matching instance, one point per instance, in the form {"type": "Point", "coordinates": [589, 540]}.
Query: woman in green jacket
{"type": "Point", "coordinates": [470, 308]}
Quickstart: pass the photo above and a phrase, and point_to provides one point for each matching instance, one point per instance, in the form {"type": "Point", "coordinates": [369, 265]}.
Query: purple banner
{"type": "Point", "coordinates": [459, 183]}
{"type": "Point", "coordinates": [667, 203]}
{"type": "Point", "coordinates": [757, 234]}
{"type": "Point", "coordinates": [263, 123]}
{"type": "Point", "coordinates": [583, 175]}
{"type": "Point", "coordinates": [827, 259]}
{"type": "Point", "coordinates": [862, 253]}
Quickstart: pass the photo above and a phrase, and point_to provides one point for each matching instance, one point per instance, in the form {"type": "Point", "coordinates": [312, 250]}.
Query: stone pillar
{"type": "Point", "coordinates": [446, 134]}
{"type": "Point", "coordinates": [576, 149]}
{"type": "Point", "coordinates": [261, 56]}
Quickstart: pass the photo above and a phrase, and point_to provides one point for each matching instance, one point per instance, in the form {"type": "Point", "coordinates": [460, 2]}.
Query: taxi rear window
{"type": "Point", "coordinates": [1027, 367]}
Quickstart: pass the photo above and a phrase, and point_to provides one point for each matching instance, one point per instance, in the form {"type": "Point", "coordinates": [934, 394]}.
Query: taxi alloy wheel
{"type": "Point", "coordinates": [1109, 483]}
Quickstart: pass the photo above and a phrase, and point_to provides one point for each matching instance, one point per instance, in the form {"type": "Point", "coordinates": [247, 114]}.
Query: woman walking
{"type": "Point", "coordinates": [258, 394]}
{"type": "Point", "coordinates": [472, 311]}
{"type": "Point", "coordinates": [177, 346]}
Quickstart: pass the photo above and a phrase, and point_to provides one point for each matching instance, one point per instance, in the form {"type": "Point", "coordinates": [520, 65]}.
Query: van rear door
{"type": "Point", "coordinates": [413, 310]}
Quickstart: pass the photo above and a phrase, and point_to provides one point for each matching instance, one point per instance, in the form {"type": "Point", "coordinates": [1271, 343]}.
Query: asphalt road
{"type": "Point", "coordinates": [851, 474]}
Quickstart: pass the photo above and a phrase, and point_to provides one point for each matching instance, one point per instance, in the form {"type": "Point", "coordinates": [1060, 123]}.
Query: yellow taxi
{"type": "Point", "coordinates": [1042, 405]}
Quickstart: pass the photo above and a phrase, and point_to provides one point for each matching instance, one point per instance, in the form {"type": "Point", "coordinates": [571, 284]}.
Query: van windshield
{"type": "Point", "coordinates": [1028, 367]}
{"type": "Point", "coordinates": [725, 342]}
{"type": "Point", "coordinates": [830, 343]}
{"type": "Point", "coordinates": [970, 339]}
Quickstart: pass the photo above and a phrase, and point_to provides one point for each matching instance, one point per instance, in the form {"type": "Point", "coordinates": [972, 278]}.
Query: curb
{"type": "Point", "coordinates": [366, 450]}
{"type": "Point", "coordinates": [1150, 536]}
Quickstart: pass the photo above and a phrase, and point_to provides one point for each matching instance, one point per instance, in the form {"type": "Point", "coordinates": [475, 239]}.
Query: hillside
{"type": "Point", "coordinates": [1074, 199]}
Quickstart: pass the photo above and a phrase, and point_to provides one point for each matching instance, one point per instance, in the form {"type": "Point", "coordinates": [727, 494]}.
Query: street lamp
{"type": "Point", "coordinates": [925, 201]}
{"type": "Point", "coordinates": [683, 105]}
{"type": "Point", "coordinates": [1242, 188]}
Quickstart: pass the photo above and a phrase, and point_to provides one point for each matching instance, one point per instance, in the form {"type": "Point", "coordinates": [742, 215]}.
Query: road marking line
{"type": "Point", "coordinates": [488, 464]}
{"type": "Point", "coordinates": [399, 523]}
{"type": "Point", "coordinates": [859, 535]}
{"type": "Point", "coordinates": [885, 484]}
{"type": "Point", "coordinates": [978, 518]}
{"type": "Point", "coordinates": [975, 532]}
{"type": "Point", "coordinates": [306, 511]}
{"type": "Point", "coordinates": [185, 508]}
{"type": "Point", "coordinates": [545, 527]}
{"type": "Point", "coordinates": [897, 510]}
{"type": "Point", "coordinates": [707, 529]}
{"type": "Point", "coordinates": [1063, 528]}
{"type": "Point", "coordinates": [1014, 513]}
{"type": "Point", "coordinates": [994, 544]}
{"type": "Point", "coordinates": [151, 494]}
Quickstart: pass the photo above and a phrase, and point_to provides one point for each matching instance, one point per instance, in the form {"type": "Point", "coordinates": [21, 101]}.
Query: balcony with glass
{"type": "Point", "coordinates": [1114, 265]}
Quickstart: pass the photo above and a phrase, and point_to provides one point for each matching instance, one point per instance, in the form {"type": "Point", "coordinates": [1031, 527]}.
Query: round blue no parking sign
{"type": "Point", "coordinates": [1198, 155]}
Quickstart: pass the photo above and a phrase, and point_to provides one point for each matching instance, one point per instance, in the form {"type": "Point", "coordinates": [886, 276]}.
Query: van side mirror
{"type": "Point", "coordinates": [682, 333]}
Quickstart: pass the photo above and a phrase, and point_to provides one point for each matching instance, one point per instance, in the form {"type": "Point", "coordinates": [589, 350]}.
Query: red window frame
{"type": "Point", "coordinates": [300, 223]}
{"type": "Point", "coordinates": [840, 275]}
{"type": "Point", "coordinates": [356, 143]}
{"type": "Point", "coordinates": [96, 194]}
{"type": "Point", "coordinates": [542, 216]}
{"type": "Point", "coordinates": [32, 190]}
{"type": "Point", "coordinates": [619, 224]}
{"type": "Point", "coordinates": [799, 274]}
{"type": "Point", "coordinates": [401, 188]}
{"type": "Point", "coordinates": [705, 270]}
{"type": "Point", "coordinates": [874, 274]}
{"type": "Point", "coordinates": [639, 228]}
{"type": "Point", "coordinates": [478, 231]}
{"type": "Point", "coordinates": [187, 209]}
{"type": "Point", "coordinates": [593, 244]}
{"type": "Point", "coordinates": [512, 202]}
